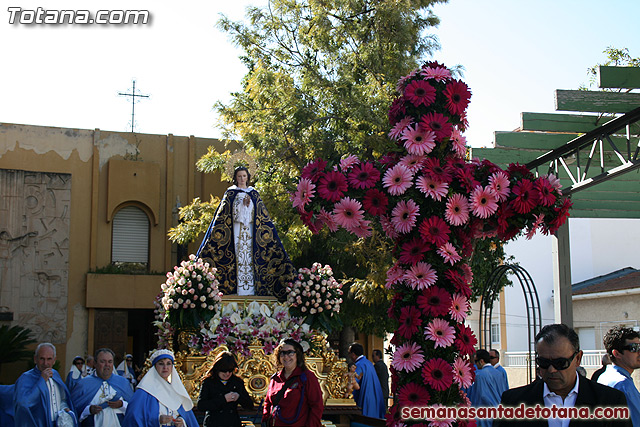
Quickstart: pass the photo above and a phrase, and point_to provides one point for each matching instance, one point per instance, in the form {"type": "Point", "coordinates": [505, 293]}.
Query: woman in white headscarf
{"type": "Point", "coordinates": [160, 399]}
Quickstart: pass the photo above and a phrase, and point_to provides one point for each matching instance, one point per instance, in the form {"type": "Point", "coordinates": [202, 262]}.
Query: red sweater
{"type": "Point", "coordinates": [312, 405]}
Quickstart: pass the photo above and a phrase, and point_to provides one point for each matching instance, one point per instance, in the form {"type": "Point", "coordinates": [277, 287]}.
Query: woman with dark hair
{"type": "Point", "coordinates": [243, 245]}
{"type": "Point", "coordinates": [221, 393]}
{"type": "Point", "coordinates": [294, 396]}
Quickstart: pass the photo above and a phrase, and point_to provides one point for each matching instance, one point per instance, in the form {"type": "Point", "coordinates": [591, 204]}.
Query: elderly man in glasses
{"type": "Point", "coordinates": [558, 356]}
{"type": "Point", "coordinates": [623, 347]}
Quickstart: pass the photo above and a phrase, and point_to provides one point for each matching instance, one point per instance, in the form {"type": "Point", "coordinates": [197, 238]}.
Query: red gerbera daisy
{"type": "Point", "coordinates": [413, 395]}
{"type": "Point", "coordinates": [434, 170]}
{"type": "Point", "coordinates": [466, 341]}
{"type": "Point", "coordinates": [364, 175]}
{"type": "Point", "coordinates": [435, 230]}
{"type": "Point", "coordinates": [409, 321]}
{"type": "Point", "coordinates": [459, 282]}
{"type": "Point", "coordinates": [420, 92]}
{"type": "Point", "coordinates": [413, 251]}
{"type": "Point", "coordinates": [438, 124]}
{"type": "Point", "coordinates": [438, 374]}
{"type": "Point", "coordinates": [545, 192]}
{"type": "Point", "coordinates": [458, 95]}
{"type": "Point", "coordinates": [434, 301]}
{"type": "Point", "coordinates": [332, 186]}
{"type": "Point", "coordinates": [313, 170]}
{"type": "Point", "coordinates": [525, 196]}
{"type": "Point", "coordinates": [375, 202]}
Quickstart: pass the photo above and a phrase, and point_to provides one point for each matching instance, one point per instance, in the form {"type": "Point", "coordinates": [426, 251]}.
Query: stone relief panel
{"type": "Point", "coordinates": [34, 250]}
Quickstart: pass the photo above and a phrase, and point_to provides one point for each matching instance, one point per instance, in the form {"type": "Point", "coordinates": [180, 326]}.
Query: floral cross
{"type": "Point", "coordinates": [434, 205]}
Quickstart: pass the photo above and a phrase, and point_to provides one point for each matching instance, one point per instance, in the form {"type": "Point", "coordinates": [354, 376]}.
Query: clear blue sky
{"type": "Point", "coordinates": [515, 54]}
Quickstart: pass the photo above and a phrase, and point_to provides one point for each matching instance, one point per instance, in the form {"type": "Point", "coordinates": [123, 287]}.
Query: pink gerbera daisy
{"type": "Point", "coordinates": [418, 141]}
{"type": "Point", "coordinates": [413, 251]}
{"type": "Point", "coordinates": [438, 124]}
{"type": "Point", "coordinates": [314, 170]}
{"type": "Point", "coordinates": [413, 394]}
{"type": "Point", "coordinates": [364, 175]}
{"type": "Point", "coordinates": [555, 182]}
{"type": "Point", "coordinates": [397, 179]}
{"type": "Point", "coordinates": [327, 219]}
{"type": "Point", "coordinates": [348, 213]}
{"type": "Point", "coordinates": [388, 227]}
{"type": "Point", "coordinates": [413, 162]}
{"type": "Point", "coordinates": [434, 301]}
{"type": "Point", "coordinates": [420, 92]}
{"type": "Point", "coordinates": [404, 215]}
{"type": "Point", "coordinates": [304, 193]}
{"type": "Point", "coordinates": [409, 321]}
{"type": "Point", "coordinates": [348, 162]}
{"type": "Point", "coordinates": [459, 143]}
{"type": "Point", "coordinates": [440, 332]}
{"type": "Point", "coordinates": [362, 229]}
{"type": "Point", "coordinates": [466, 341]}
{"type": "Point", "coordinates": [462, 372]}
{"type": "Point", "coordinates": [483, 202]}
{"type": "Point", "coordinates": [332, 186]}
{"type": "Point", "coordinates": [436, 73]}
{"type": "Point", "coordinates": [435, 230]}
{"type": "Point", "coordinates": [396, 132]}
{"type": "Point", "coordinates": [458, 95]}
{"type": "Point", "coordinates": [375, 202]}
{"type": "Point", "coordinates": [437, 373]}
{"type": "Point", "coordinates": [440, 422]}
{"type": "Point", "coordinates": [457, 211]}
{"type": "Point", "coordinates": [394, 275]}
{"type": "Point", "coordinates": [449, 253]}
{"type": "Point", "coordinates": [525, 197]}
{"type": "Point", "coordinates": [538, 223]}
{"type": "Point", "coordinates": [459, 307]}
{"type": "Point", "coordinates": [545, 192]}
{"type": "Point", "coordinates": [435, 189]}
{"type": "Point", "coordinates": [408, 357]}
{"type": "Point", "coordinates": [499, 184]}
{"type": "Point", "coordinates": [420, 276]}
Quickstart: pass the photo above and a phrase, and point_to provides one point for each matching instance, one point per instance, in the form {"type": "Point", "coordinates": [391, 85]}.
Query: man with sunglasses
{"type": "Point", "coordinates": [558, 356]}
{"type": "Point", "coordinates": [623, 347]}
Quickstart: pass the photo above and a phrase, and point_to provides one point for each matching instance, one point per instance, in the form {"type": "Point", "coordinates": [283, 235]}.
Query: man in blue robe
{"type": "Point", "coordinates": [495, 362]}
{"type": "Point", "coordinates": [369, 396]}
{"type": "Point", "coordinates": [485, 390]}
{"type": "Point", "coordinates": [101, 399]}
{"type": "Point", "coordinates": [41, 399]}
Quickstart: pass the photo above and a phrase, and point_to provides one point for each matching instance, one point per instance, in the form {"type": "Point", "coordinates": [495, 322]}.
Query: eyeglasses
{"type": "Point", "coordinates": [287, 352]}
{"type": "Point", "coordinates": [561, 363]}
{"type": "Point", "coordinates": [634, 347]}
{"type": "Point", "coordinates": [494, 357]}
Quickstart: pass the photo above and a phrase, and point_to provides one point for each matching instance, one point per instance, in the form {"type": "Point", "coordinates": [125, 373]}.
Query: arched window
{"type": "Point", "coordinates": [130, 236]}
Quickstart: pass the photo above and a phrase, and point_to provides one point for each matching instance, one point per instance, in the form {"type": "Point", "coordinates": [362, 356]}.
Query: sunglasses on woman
{"type": "Point", "coordinates": [561, 363]}
{"type": "Point", "coordinates": [287, 352]}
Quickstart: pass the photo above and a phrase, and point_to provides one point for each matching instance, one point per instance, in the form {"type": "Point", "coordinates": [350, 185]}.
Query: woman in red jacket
{"type": "Point", "coordinates": [294, 397]}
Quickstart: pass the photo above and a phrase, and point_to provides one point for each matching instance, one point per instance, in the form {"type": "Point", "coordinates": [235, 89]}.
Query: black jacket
{"type": "Point", "coordinates": [221, 413]}
{"type": "Point", "coordinates": [590, 394]}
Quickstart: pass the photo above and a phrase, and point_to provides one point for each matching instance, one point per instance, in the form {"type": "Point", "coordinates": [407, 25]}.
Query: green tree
{"type": "Point", "coordinates": [614, 57]}
{"type": "Point", "coordinates": [14, 341]}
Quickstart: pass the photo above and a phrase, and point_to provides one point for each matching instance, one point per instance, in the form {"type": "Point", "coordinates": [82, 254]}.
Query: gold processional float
{"type": "Point", "coordinates": [197, 322]}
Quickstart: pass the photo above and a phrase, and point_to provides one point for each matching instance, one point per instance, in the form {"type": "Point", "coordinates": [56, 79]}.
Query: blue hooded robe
{"type": "Point", "coordinates": [31, 400]}
{"type": "Point", "coordinates": [369, 397]}
{"type": "Point", "coordinates": [272, 268]}
{"type": "Point", "coordinates": [144, 410]}
{"type": "Point", "coordinates": [6, 405]}
{"type": "Point", "coordinates": [485, 391]}
{"type": "Point", "coordinates": [86, 389]}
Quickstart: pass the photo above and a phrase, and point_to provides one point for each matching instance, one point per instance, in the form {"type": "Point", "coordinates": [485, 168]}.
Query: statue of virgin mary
{"type": "Point", "coordinates": [243, 245]}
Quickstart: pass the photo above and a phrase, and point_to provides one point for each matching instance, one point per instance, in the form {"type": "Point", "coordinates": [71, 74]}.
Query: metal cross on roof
{"type": "Point", "coordinates": [132, 97]}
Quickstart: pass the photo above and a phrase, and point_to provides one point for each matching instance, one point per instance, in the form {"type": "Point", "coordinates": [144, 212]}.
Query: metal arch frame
{"type": "Point", "coordinates": [534, 314]}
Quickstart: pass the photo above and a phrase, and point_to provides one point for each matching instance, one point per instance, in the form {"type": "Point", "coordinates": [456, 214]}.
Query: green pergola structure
{"type": "Point", "coordinates": [593, 148]}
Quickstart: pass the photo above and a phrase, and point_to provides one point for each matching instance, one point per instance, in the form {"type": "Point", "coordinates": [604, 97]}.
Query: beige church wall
{"type": "Point", "coordinates": [167, 166]}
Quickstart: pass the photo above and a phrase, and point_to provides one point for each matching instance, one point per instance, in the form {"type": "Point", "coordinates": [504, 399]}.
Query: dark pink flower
{"type": "Point", "coordinates": [314, 170]}
{"type": "Point", "coordinates": [375, 202]}
{"type": "Point", "coordinates": [434, 301]}
{"type": "Point", "coordinates": [364, 175]}
{"type": "Point", "coordinates": [420, 92]}
{"type": "Point", "coordinates": [438, 374]}
{"type": "Point", "coordinates": [409, 321]}
{"type": "Point", "coordinates": [458, 95]}
{"type": "Point", "coordinates": [332, 186]}
{"type": "Point", "coordinates": [435, 230]}
{"type": "Point", "coordinates": [438, 124]}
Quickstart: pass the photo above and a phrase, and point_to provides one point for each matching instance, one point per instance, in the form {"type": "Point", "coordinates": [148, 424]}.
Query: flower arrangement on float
{"type": "Point", "coordinates": [239, 325]}
{"type": "Point", "coordinates": [433, 204]}
{"type": "Point", "coordinates": [316, 295]}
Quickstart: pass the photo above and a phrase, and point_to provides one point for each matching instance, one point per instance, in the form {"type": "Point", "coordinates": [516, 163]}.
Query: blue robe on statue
{"type": "Point", "coordinates": [272, 267]}
{"type": "Point", "coordinates": [31, 399]}
{"type": "Point", "coordinates": [6, 405]}
{"type": "Point", "coordinates": [144, 410]}
{"type": "Point", "coordinates": [369, 397]}
{"type": "Point", "coordinates": [86, 389]}
{"type": "Point", "coordinates": [485, 391]}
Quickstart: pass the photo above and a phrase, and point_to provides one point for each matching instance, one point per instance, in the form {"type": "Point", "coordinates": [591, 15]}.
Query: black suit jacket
{"type": "Point", "coordinates": [219, 411]}
{"type": "Point", "coordinates": [590, 394]}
